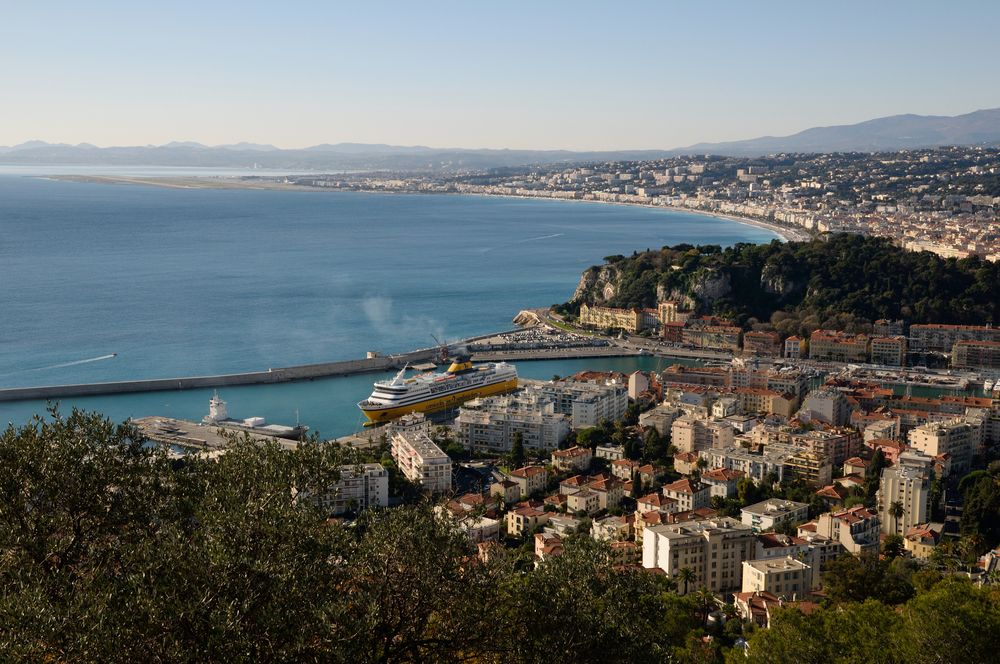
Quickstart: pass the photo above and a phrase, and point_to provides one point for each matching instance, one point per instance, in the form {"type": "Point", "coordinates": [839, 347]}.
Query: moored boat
{"type": "Point", "coordinates": [432, 392]}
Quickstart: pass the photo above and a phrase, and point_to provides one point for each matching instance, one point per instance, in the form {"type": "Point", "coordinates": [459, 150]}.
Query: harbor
{"type": "Point", "coordinates": [502, 346]}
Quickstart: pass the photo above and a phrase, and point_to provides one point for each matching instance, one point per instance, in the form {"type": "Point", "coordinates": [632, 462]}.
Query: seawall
{"type": "Point", "coordinates": [281, 375]}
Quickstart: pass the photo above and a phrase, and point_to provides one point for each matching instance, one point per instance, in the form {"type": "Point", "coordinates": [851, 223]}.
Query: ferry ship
{"type": "Point", "coordinates": [430, 392]}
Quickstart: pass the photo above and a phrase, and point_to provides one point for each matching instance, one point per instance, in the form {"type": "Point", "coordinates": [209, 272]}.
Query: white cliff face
{"type": "Point", "coordinates": [778, 284]}
{"type": "Point", "coordinates": [708, 285]}
{"type": "Point", "coordinates": [600, 282]}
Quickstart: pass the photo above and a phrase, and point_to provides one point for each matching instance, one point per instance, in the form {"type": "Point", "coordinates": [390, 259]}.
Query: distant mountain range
{"type": "Point", "coordinates": [896, 132]}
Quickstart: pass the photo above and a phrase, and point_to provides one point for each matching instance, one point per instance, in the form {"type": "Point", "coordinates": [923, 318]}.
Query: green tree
{"type": "Point", "coordinates": [896, 511]}
{"type": "Point", "coordinates": [517, 450]}
{"type": "Point", "coordinates": [636, 485]}
{"type": "Point", "coordinates": [952, 622]}
{"type": "Point", "coordinates": [892, 546]}
{"type": "Point", "coordinates": [686, 575]}
{"type": "Point", "coordinates": [981, 512]}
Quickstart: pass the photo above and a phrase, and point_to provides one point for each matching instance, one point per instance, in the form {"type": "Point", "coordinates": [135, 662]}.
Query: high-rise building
{"type": "Point", "coordinates": [907, 484]}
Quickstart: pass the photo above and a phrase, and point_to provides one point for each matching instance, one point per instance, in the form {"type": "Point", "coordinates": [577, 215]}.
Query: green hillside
{"type": "Point", "coordinates": [839, 281]}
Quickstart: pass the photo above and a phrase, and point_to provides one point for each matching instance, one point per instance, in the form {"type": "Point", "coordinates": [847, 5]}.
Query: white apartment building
{"type": "Point", "coordinates": [828, 406]}
{"type": "Point", "coordinates": [909, 483]}
{"type": "Point", "coordinates": [660, 418]}
{"type": "Point", "coordinates": [489, 425]}
{"type": "Point", "coordinates": [714, 550]}
{"type": "Point", "coordinates": [421, 461]}
{"type": "Point", "coordinates": [586, 403]}
{"type": "Point", "coordinates": [360, 487]}
{"type": "Point", "coordinates": [857, 529]}
{"type": "Point", "coordinates": [813, 550]}
{"type": "Point", "coordinates": [782, 577]}
{"type": "Point", "coordinates": [690, 433]}
{"type": "Point", "coordinates": [957, 437]}
{"type": "Point", "coordinates": [755, 466]}
{"type": "Point", "coordinates": [773, 512]}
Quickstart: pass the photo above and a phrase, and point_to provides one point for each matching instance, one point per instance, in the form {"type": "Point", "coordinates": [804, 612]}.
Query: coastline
{"type": "Point", "coordinates": [784, 233]}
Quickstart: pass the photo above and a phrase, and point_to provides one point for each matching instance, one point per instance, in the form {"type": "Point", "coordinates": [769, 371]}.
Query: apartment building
{"type": "Point", "coordinates": [756, 466]}
{"type": "Point", "coordinates": [421, 461]}
{"type": "Point", "coordinates": [489, 425]}
{"type": "Point", "coordinates": [976, 355]}
{"type": "Point", "coordinates": [782, 577]}
{"type": "Point", "coordinates": [907, 483]}
{"type": "Point", "coordinates": [773, 512]}
{"type": "Point", "coordinates": [956, 437]}
{"type": "Point", "coordinates": [857, 529]}
{"type": "Point", "coordinates": [529, 480]}
{"type": "Point", "coordinates": [827, 405]}
{"type": "Point", "coordinates": [889, 351]}
{"type": "Point", "coordinates": [713, 549]}
{"type": "Point", "coordinates": [763, 400]}
{"type": "Point", "coordinates": [690, 433]}
{"type": "Point", "coordinates": [585, 403]}
{"type": "Point", "coordinates": [630, 320]}
{"type": "Point", "coordinates": [660, 418]}
{"type": "Point", "coordinates": [670, 311]}
{"type": "Point", "coordinates": [942, 338]}
{"type": "Point", "coordinates": [360, 487]}
{"type": "Point", "coordinates": [795, 348]}
{"type": "Point", "coordinates": [688, 493]}
{"type": "Point", "coordinates": [762, 343]}
{"type": "Point", "coordinates": [809, 467]}
{"type": "Point", "coordinates": [837, 444]}
{"type": "Point", "coordinates": [717, 337]}
{"type": "Point", "coordinates": [835, 346]}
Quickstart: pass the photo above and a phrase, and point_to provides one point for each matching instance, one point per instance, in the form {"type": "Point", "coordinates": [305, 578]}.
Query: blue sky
{"type": "Point", "coordinates": [575, 75]}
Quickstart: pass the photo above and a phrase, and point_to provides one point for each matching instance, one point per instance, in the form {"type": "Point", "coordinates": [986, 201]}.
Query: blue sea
{"type": "Point", "coordinates": [113, 282]}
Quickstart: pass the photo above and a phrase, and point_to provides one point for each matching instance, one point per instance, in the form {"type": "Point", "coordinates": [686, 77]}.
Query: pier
{"type": "Point", "coordinates": [279, 375]}
{"type": "Point", "coordinates": [199, 437]}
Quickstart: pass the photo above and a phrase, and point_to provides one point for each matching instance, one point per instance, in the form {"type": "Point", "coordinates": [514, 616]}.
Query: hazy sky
{"type": "Point", "coordinates": [578, 75]}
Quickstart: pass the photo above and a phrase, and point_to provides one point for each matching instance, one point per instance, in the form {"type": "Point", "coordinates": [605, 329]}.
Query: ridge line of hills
{"type": "Point", "coordinates": [897, 132]}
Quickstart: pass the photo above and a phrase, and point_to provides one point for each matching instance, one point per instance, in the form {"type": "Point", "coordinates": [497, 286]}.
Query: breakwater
{"type": "Point", "coordinates": [280, 375]}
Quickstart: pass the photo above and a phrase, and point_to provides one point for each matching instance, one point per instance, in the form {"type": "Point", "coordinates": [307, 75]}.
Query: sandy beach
{"type": "Point", "coordinates": [202, 182]}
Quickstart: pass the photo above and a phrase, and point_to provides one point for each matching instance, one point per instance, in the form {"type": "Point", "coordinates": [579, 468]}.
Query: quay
{"type": "Point", "coordinates": [195, 436]}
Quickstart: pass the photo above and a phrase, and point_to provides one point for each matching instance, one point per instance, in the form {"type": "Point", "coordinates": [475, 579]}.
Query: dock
{"type": "Point", "coordinates": [197, 437]}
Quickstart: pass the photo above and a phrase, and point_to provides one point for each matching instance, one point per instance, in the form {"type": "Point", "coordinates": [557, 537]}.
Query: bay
{"type": "Point", "coordinates": [106, 282]}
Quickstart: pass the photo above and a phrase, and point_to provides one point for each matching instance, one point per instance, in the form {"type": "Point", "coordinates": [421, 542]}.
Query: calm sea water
{"type": "Point", "coordinates": [185, 282]}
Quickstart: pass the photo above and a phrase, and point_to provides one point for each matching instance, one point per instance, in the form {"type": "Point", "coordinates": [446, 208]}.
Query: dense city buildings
{"type": "Point", "coordinates": [942, 200]}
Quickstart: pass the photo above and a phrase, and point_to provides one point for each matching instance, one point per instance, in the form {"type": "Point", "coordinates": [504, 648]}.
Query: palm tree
{"type": "Point", "coordinates": [705, 601]}
{"type": "Point", "coordinates": [686, 575]}
{"type": "Point", "coordinates": [895, 511]}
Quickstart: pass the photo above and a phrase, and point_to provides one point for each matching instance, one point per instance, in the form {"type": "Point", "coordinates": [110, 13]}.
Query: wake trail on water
{"type": "Point", "coordinates": [530, 239]}
{"type": "Point", "coordinates": [63, 365]}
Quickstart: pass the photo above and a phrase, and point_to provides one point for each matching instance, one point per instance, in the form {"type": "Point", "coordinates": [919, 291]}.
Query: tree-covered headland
{"type": "Point", "coordinates": [837, 281]}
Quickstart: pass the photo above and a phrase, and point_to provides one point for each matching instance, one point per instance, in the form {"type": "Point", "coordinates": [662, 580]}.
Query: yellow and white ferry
{"type": "Point", "coordinates": [430, 392]}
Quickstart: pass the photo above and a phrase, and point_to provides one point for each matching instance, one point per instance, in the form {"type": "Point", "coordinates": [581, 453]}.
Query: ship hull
{"type": "Point", "coordinates": [381, 415]}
